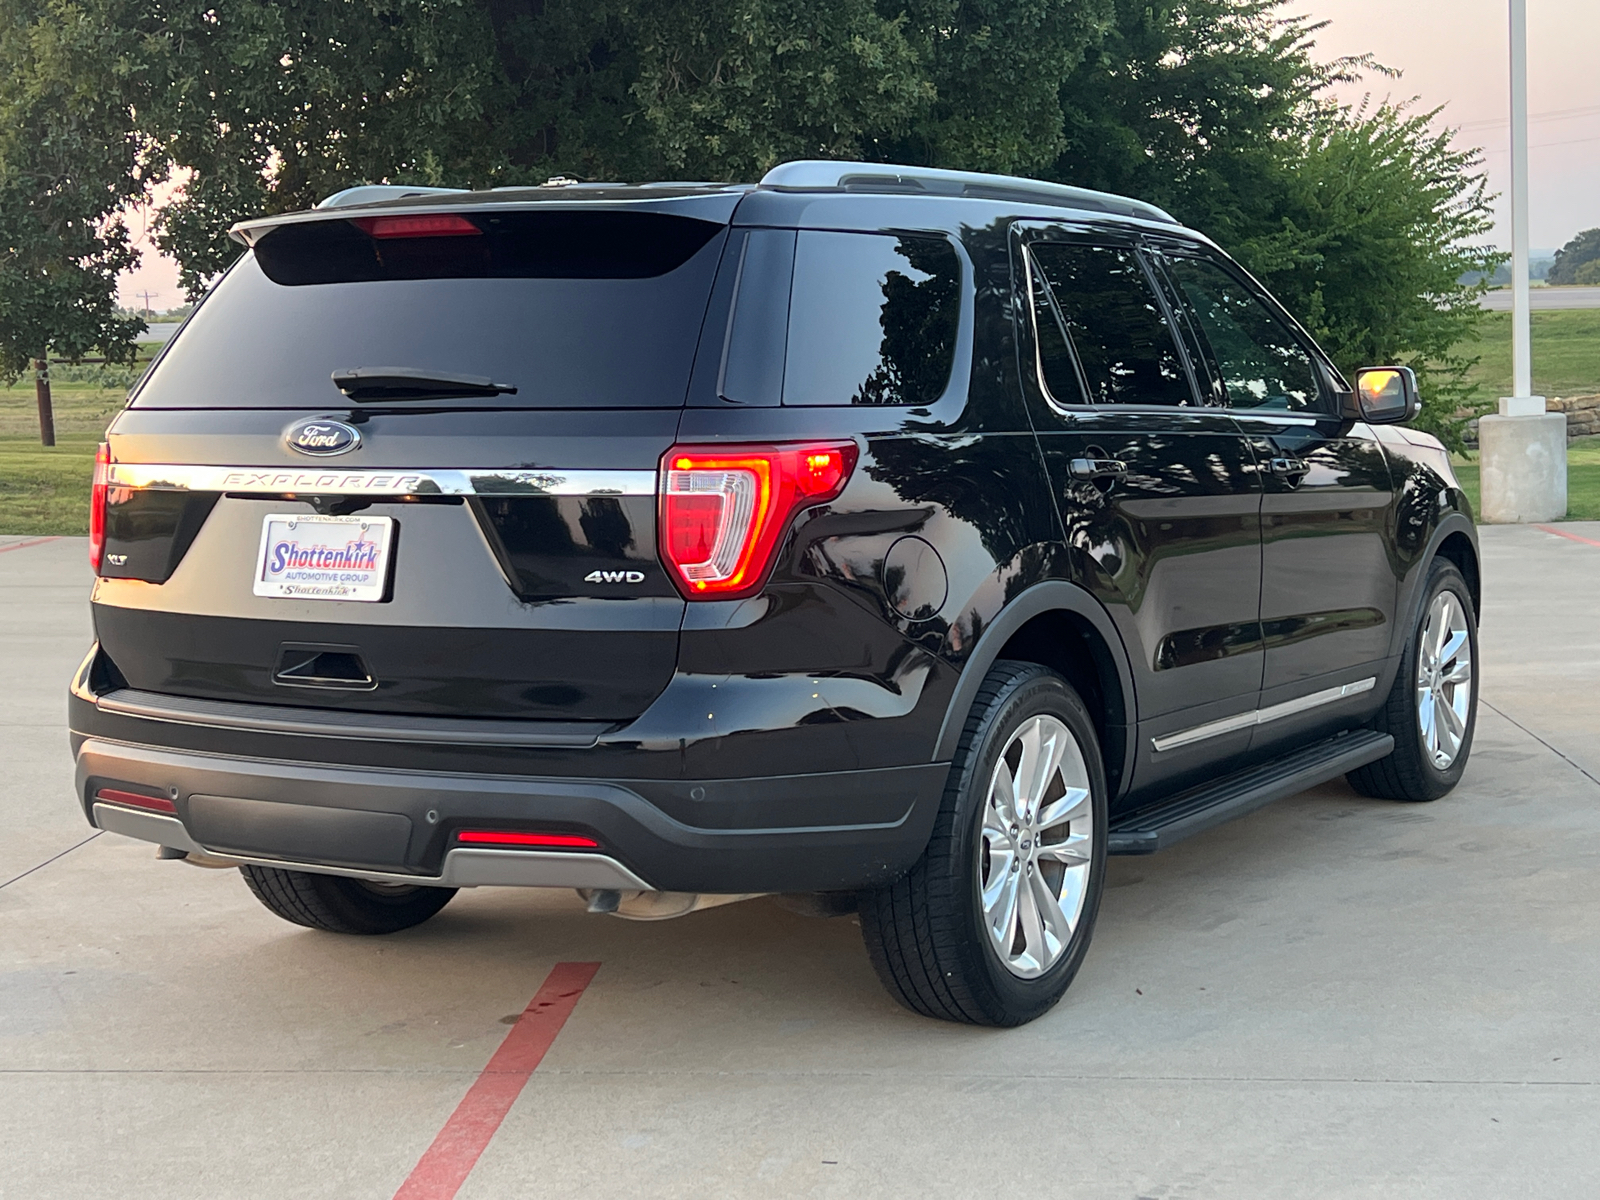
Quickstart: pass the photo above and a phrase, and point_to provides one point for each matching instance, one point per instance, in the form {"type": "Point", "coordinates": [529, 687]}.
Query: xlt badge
{"type": "Point", "coordinates": [322, 437]}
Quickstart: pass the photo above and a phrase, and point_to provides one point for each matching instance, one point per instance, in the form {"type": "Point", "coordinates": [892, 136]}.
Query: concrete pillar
{"type": "Point", "coordinates": [1523, 463]}
{"type": "Point", "coordinates": [1524, 449]}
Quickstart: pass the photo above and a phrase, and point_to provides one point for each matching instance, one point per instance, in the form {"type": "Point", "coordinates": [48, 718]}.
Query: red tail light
{"type": "Point", "coordinates": [97, 506]}
{"type": "Point", "coordinates": [511, 837]}
{"type": "Point", "coordinates": [427, 225]}
{"type": "Point", "coordinates": [724, 509]}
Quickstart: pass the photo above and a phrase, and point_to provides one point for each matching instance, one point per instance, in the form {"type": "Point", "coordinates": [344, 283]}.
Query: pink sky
{"type": "Point", "coordinates": [1455, 53]}
{"type": "Point", "coordinates": [1452, 53]}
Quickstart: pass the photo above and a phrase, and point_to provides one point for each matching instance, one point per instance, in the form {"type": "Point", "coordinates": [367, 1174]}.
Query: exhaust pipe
{"type": "Point", "coordinates": [656, 906]}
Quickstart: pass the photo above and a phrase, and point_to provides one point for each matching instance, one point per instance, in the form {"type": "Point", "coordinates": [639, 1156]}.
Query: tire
{"type": "Point", "coordinates": [926, 933]}
{"type": "Point", "coordinates": [1415, 771]}
{"type": "Point", "coordinates": [336, 904]}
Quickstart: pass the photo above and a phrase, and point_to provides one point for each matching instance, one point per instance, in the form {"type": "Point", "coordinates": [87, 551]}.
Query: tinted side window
{"type": "Point", "coordinates": [1115, 323]}
{"type": "Point", "coordinates": [1057, 370]}
{"type": "Point", "coordinates": [752, 364]}
{"type": "Point", "coordinates": [872, 319]}
{"type": "Point", "coordinates": [1261, 364]}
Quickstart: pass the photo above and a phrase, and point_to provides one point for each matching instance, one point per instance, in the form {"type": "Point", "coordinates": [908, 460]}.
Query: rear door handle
{"type": "Point", "coordinates": [1294, 469]}
{"type": "Point", "coordinates": [1098, 468]}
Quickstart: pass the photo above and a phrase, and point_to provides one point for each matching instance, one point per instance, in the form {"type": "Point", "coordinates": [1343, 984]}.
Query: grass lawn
{"type": "Point", "coordinates": [46, 491]}
{"type": "Point", "coordinates": [1566, 354]}
{"type": "Point", "coordinates": [1583, 480]}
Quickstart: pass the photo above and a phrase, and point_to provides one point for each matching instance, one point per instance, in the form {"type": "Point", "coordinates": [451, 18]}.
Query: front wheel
{"type": "Point", "coordinates": [1433, 707]}
{"type": "Point", "coordinates": [335, 904]}
{"type": "Point", "coordinates": [992, 923]}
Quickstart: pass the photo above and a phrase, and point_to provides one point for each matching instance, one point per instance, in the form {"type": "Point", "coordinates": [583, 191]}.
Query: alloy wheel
{"type": "Point", "coordinates": [1036, 847]}
{"type": "Point", "coordinates": [1444, 679]}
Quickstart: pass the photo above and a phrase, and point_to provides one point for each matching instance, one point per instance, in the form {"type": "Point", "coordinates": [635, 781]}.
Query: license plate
{"type": "Point", "coordinates": [308, 557]}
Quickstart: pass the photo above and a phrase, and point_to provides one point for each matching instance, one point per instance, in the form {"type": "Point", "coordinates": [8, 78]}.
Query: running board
{"type": "Point", "coordinates": [1158, 826]}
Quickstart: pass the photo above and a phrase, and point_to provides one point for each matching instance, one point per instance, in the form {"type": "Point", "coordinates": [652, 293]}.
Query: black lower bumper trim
{"type": "Point", "coordinates": [405, 821]}
{"type": "Point", "coordinates": [231, 824]}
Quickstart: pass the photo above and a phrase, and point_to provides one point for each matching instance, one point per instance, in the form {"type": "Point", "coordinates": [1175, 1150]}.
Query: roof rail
{"type": "Point", "coordinates": [810, 175]}
{"type": "Point", "coordinates": [377, 193]}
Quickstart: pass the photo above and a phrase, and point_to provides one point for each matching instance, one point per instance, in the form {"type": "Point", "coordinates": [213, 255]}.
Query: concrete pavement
{"type": "Point", "coordinates": [1335, 997]}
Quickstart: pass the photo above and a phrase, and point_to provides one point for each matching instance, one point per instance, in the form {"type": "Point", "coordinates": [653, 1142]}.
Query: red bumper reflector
{"type": "Point", "coordinates": [542, 841]}
{"type": "Point", "coordinates": [158, 804]}
{"type": "Point", "coordinates": [431, 225]}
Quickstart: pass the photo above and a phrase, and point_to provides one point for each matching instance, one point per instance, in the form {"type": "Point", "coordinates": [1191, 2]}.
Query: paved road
{"type": "Point", "coordinates": [1545, 298]}
{"type": "Point", "coordinates": [1335, 997]}
{"type": "Point", "coordinates": [159, 331]}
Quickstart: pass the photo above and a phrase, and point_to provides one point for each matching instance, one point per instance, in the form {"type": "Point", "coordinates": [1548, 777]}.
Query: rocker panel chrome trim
{"type": "Point", "coordinates": [1261, 716]}
{"type": "Point", "coordinates": [276, 481]}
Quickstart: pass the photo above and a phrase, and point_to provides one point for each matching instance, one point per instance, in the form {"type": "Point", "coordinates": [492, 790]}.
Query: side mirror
{"type": "Point", "coordinates": [1383, 396]}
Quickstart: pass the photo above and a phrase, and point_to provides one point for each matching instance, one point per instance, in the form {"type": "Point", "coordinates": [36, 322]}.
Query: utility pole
{"type": "Point", "coordinates": [1524, 448]}
{"type": "Point", "coordinates": [41, 393]}
{"type": "Point", "coordinates": [147, 296]}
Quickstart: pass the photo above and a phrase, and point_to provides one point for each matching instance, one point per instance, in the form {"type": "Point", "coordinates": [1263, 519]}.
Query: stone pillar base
{"type": "Point", "coordinates": [1523, 468]}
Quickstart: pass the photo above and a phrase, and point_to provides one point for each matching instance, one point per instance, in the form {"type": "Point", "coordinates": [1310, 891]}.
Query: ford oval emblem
{"type": "Point", "coordinates": [322, 437]}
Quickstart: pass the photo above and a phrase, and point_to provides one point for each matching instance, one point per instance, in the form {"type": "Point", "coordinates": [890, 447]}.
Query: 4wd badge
{"type": "Point", "coordinates": [614, 577]}
{"type": "Point", "coordinates": [322, 437]}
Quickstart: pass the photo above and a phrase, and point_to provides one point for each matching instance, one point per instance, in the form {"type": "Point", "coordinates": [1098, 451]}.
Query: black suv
{"type": "Point", "coordinates": [901, 541]}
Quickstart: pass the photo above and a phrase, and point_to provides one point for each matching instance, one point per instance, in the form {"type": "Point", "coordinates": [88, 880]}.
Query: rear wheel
{"type": "Point", "coordinates": [992, 923]}
{"type": "Point", "coordinates": [339, 905]}
{"type": "Point", "coordinates": [1433, 707]}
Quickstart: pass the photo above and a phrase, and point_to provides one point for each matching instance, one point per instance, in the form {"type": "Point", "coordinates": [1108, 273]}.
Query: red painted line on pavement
{"type": "Point", "coordinates": [25, 545]}
{"type": "Point", "coordinates": [445, 1165]}
{"type": "Point", "coordinates": [1565, 534]}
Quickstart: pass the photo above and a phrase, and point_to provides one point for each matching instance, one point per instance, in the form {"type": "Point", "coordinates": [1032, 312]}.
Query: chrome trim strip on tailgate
{"type": "Point", "coordinates": [276, 481]}
{"type": "Point", "coordinates": [360, 726]}
{"type": "Point", "coordinates": [1261, 716]}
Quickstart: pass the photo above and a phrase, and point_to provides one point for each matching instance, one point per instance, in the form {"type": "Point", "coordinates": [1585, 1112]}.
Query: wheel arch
{"type": "Point", "coordinates": [1460, 549]}
{"type": "Point", "coordinates": [1058, 625]}
{"type": "Point", "coordinates": [1455, 538]}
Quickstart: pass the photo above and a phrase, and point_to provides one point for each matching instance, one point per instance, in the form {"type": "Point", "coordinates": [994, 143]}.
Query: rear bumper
{"type": "Point", "coordinates": [400, 826]}
{"type": "Point", "coordinates": [463, 867]}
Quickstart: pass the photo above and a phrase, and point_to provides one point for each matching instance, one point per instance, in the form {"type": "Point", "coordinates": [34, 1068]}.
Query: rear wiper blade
{"type": "Point", "coordinates": [408, 383]}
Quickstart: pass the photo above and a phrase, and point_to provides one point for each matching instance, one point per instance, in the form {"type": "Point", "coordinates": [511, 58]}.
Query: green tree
{"type": "Point", "coordinates": [271, 106]}
{"type": "Point", "coordinates": [1363, 221]}
{"type": "Point", "coordinates": [1572, 258]}
{"type": "Point", "coordinates": [1217, 109]}
{"type": "Point", "coordinates": [71, 158]}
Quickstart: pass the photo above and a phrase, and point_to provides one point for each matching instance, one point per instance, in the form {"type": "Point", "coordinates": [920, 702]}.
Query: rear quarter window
{"type": "Point", "coordinates": [873, 319]}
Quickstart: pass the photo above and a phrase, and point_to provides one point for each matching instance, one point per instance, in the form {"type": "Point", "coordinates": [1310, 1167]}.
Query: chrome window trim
{"type": "Point", "coordinates": [277, 481]}
{"type": "Point", "coordinates": [1261, 716]}
{"type": "Point", "coordinates": [1276, 415]}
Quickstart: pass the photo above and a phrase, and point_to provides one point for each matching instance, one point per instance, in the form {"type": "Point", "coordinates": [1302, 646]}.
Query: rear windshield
{"type": "Point", "coordinates": [573, 309]}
